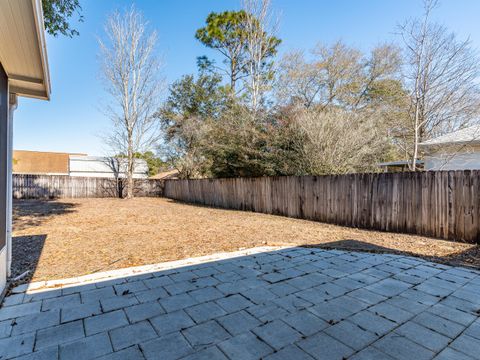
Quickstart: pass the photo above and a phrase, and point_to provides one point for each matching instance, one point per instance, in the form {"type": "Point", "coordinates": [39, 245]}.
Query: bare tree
{"type": "Point", "coordinates": [299, 81]}
{"type": "Point", "coordinates": [441, 75]}
{"type": "Point", "coordinates": [184, 147]}
{"type": "Point", "coordinates": [338, 75]}
{"type": "Point", "coordinates": [130, 71]}
{"type": "Point", "coordinates": [332, 141]}
{"type": "Point", "coordinates": [260, 30]}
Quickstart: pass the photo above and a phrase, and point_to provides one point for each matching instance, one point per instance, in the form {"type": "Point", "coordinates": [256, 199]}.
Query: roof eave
{"type": "Point", "coordinates": [39, 24]}
{"type": "Point", "coordinates": [450, 143]}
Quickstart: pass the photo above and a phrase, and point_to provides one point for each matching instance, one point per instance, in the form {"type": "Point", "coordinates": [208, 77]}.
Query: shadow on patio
{"type": "Point", "coordinates": [287, 303]}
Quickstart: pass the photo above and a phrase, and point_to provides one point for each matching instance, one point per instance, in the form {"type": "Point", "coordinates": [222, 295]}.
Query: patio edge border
{"type": "Point", "coordinates": [40, 286]}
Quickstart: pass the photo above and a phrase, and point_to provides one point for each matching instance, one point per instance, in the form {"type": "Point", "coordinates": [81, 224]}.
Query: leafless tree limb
{"type": "Point", "coordinates": [130, 71]}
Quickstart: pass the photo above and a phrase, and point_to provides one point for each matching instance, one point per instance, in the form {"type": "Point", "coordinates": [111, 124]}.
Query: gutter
{"type": "Point", "coordinates": [40, 27]}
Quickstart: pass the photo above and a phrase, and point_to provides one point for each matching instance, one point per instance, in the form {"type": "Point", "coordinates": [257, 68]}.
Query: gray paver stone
{"type": "Point", "coordinates": [131, 353]}
{"type": "Point", "coordinates": [209, 333]}
{"type": "Point", "coordinates": [204, 312]}
{"type": "Point", "coordinates": [351, 335]}
{"type": "Point", "coordinates": [151, 295]}
{"type": "Point", "coordinates": [451, 354]}
{"type": "Point", "coordinates": [323, 346]}
{"type": "Point", "coordinates": [371, 353]}
{"type": "Point", "coordinates": [13, 299]}
{"type": "Point", "coordinates": [177, 302]}
{"type": "Point", "coordinates": [402, 348]}
{"type": "Point", "coordinates": [104, 322]}
{"type": "Point", "coordinates": [86, 348]}
{"type": "Point", "coordinates": [80, 312]}
{"type": "Point", "coordinates": [305, 322]}
{"type": "Point", "coordinates": [5, 328]}
{"type": "Point", "coordinates": [423, 336]}
{"type": "Point", "coordinates": [467, 345]}
{"type": "Point", "coordinates": [131, 334]}
{"type": "Point", "coordinates": [168, 347]}
{"type": "Point", "coordinates": [59, 334]}
{"type": "Point", "coordinates": [206, 294]}
{"type": "Point", "coordinates": [143, 311]}
{"type": "Point", "coordinates": [158, 282]}
{"type": "Point", "coordinates": [389, 287]}
{"type": "Point", "coordinates": [97, 294]}
{"type": "Point", "coordinates": [391, 312]}
{"type": "Point", "coordinates": [238, 322]}
{"type": "Point", "coordinates": [452, 314]}
{"type": "Point", "coordinates": [245, 347]}
{"type": "Point", "coordinates": [438, 324]}
{"type": "Point", "coordinates": [211, 353]}
{"type": "Point", "coordinates": [288, 353]}
{"type": "Point", "coordinates": [44, 354]}
{"type": "Point", "coordinates": [171, 322]}
{"type": "Point", "coordinates": [16, 345]}
{"type": "Point", "coordinates": [118, 302]}
{"type": "Point", "coordinates": [374, 323]}
{"type": "Point", "coordinates": [14, 311]}
{"type": "Point", "coordinates": [277, 334]}
{"type": "Point", "coordinates": [61, 302]}
{"type": "Point", "coordinates": [233, 303]}
{"type": "Point", "coordinates": [35, 322]}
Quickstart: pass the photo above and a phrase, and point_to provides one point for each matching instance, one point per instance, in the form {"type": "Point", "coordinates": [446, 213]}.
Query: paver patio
{"type": "Point", "coordinates": [288, 303]}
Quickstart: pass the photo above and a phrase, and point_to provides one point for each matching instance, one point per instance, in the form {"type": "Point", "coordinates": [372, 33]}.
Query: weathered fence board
{"type": "Point", "coordinates": [26, 186]}
{"type": "Point", "coordinates": [442, 204]}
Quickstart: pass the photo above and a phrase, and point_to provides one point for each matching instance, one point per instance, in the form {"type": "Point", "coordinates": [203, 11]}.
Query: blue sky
{"type": "Point", "coordinates": [72, 120]}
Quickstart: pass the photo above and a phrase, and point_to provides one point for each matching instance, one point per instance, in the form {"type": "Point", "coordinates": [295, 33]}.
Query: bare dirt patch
{"type": "Point", "coordinates": [67, 238]}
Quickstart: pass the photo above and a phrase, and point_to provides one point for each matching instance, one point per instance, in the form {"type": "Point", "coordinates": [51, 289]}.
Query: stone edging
{"type": "Point", "coordinates": [40, 286]}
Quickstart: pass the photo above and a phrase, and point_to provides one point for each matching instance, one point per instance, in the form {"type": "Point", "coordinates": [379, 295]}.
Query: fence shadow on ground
{"type": "Point", "coordinates": [28, 213]}
{"type": "Point", "coordinates": [470, 257]}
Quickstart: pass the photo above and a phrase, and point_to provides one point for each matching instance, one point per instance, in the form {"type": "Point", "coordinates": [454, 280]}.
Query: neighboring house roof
{"type": "Point", "coordinates": [171, 174]}
{"type": "Point", "coordinates": [400, 163]}
{"type": "Point", "coordinates": [23, 52]}
{"type": "Point", "coordinates": [469, 135]}
{"type": "Point", "coordinates": [40, 162]}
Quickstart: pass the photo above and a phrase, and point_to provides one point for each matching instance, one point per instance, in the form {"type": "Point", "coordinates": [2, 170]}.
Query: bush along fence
{"type": "Point", "coordinates": [442, 204]}
{"type": "Point", "coordinates": [26, 186]}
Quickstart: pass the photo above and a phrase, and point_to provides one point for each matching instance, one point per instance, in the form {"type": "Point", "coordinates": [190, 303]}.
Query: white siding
{"type": "Point", "coordinates": [93, 166]}
{"type": "Point", "coordinates": [459, 161]}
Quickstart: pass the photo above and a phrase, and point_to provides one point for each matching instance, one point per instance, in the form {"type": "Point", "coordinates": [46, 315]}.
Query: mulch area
{"type": "Point", "coordinates": [66, 238]}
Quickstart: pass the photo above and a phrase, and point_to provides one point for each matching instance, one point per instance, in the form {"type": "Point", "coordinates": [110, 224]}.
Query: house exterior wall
{"type": "Point", "coordinates": [93, 166]}
{"type": "Point", "coordinates": [4, 174]}
{"type": "Point", "coordinates": [447, 159]}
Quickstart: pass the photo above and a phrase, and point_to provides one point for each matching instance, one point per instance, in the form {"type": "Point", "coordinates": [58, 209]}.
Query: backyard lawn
{"type": "Point", "coordinates": [72, 237]}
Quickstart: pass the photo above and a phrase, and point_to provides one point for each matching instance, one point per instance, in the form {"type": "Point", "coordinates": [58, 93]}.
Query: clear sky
{"type": "Point", "coordinates": [72, 121]}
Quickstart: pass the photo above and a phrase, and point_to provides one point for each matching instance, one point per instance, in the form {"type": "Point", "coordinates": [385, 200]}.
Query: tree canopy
{"type": "Point", "coordinates": [227, 32]}
{"type": "Point", "coordinates": [57, 16]}
{"type": "Point", "coordinates": [333, 109]}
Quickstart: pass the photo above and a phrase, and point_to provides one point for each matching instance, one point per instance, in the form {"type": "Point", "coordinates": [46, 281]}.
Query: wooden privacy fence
{"type": "Point", "coordinates": [26, 186]}
{"type": "Point", "coordinates": [443, 204]}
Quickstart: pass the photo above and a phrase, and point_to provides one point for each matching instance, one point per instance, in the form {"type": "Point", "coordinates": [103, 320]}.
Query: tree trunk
{"type": "Point", "coordinates": [233, 76]}
{"type": "Point", "coordinates": [130, 168]}
{"type": "Point", "coordinates": [415, 139]}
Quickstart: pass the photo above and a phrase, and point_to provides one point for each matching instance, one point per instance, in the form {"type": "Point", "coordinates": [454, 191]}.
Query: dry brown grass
{"type": "Point", "coordinates": [67, 238]}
